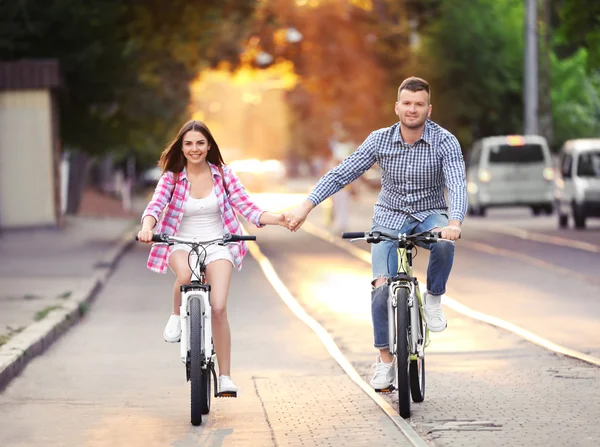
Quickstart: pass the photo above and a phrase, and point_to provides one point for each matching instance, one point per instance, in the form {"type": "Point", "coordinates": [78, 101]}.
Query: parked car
{"type": "Point", "coordinates": [577, 187]}
{"type": "Point", "coordinates": [510, 170]}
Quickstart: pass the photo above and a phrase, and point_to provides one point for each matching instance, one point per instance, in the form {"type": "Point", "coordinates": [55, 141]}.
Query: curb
{"type": "Point", "coordinates": [38, 336]}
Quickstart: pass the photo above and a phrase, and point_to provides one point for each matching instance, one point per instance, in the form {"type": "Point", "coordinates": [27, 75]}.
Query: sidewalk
{"type": "Point", "coordinates": [49, 276]}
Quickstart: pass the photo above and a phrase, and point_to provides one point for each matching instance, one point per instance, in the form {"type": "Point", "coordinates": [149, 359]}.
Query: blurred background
{"type": "Point", "coordinates": [91, 92]}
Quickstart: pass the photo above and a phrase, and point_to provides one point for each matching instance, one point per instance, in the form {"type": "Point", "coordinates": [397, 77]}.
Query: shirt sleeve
{"type": "Point", "coordinates": [455, 176]}
{"type": "Point", "coordinates": [346, 172]}
{"type": "Point", "coordinates": [161, 197]}
{"type": "Point", "coordinates": [240, 200]}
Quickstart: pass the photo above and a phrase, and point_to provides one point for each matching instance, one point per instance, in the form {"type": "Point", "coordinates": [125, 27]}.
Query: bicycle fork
{"type": "Point", "coordinates": [203, 296]}
{"type": "Point", "coordinates": [392, 303]}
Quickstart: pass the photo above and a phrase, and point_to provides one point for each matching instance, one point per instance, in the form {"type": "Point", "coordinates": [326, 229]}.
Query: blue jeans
{"type": "Point", "coordinates": [384, 260]}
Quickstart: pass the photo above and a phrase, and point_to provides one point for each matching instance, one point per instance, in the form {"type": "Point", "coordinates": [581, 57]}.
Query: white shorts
{"type": "Point", "coordinates": [213, 253]}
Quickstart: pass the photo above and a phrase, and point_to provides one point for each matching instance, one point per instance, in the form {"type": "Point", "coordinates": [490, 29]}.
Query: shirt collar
{"type": "Point", "coordinates": [426, 136]}
{"type": "Point", "coordinates": [214, 170]}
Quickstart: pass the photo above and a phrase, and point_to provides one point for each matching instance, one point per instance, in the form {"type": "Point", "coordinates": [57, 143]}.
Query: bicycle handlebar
{"type": "Point", "coordinates": [168, 239]}
{"type": "Point", "coordinates": [375, 237]}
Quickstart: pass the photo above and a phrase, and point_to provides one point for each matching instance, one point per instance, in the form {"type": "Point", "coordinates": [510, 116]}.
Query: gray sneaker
{"type": "Point", "coordinates": [384, 374]}
{"type": "Point", "coordinates": [434, 315]}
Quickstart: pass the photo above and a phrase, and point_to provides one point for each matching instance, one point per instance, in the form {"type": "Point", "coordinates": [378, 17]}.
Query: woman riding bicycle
{"type": "Point", "coordinates": [197, 196]}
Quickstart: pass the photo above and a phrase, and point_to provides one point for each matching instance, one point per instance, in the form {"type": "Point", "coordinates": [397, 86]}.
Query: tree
{"type": "Point", "coordinates": [580, 28]}
{"type": "Point", "coordinates": [126, 66]}
{"type": "Point", "coordinates": [341, 82]}
{"type": "Point", "coordinates": [472, 54]}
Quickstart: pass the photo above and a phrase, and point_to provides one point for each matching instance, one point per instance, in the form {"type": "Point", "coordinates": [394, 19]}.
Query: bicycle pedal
{"type": "Point", "coordinates": [387, 390]}
{"type": "Point", "coordinates": [227, 394]}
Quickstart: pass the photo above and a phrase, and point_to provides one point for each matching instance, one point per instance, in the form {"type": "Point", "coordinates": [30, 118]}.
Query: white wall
{"type": "Point", "coordinates": [26, 159]}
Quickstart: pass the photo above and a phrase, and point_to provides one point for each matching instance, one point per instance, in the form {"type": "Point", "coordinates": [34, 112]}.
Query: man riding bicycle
{"type": "Point", "coordinates": [419, 160]}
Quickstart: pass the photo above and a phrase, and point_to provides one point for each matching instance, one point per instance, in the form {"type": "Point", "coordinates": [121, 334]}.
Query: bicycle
{"type": "Point", "coordinates": [405, 316]}
{"type": "Point", "coordinates": [196, 344]}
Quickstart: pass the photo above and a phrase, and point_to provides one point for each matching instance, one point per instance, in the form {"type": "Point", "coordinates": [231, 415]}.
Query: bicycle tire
{"type": "Point", "coordinates": [206, 376]}
{"type": "Point", "coordinates": [417, 369]}
{"type": "Point", "coordinates": [402, 352]}
{"type": "Point", "coordinates": [196, 383]}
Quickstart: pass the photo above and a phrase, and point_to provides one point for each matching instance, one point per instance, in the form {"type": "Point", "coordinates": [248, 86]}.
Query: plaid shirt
{"type": "Point", "coordinates": [413, 178]}
{"type": "Point", "coordinates": [172, 197]}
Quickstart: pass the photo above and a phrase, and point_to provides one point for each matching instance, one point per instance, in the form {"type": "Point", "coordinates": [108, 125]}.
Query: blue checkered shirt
{"type": "Point", "coordinates": [413, 179]}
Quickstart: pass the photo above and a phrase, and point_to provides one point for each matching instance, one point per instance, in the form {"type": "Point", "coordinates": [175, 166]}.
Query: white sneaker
{"type": "Point", "coordinates": [227, 386]}
{"type": "Point", "coordinates": [172, 332]}
{"type": "Point", "coordinates": [384, 374]}
{"type": "Point", "coordinates": [434, 315]}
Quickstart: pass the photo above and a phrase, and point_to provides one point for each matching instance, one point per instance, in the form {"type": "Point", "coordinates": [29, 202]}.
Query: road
{"type": "Point", "coordinates": [112, 381]}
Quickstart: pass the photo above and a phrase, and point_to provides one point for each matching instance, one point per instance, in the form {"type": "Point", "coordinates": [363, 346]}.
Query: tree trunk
{"type": "Point", "coordinates": [79, 164]}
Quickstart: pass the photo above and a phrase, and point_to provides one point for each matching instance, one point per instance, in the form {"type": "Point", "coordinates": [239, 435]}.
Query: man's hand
{"type": "Point", "coordinates": [452, 231]}
{"type": "Point", "coordinates": [296, 218]}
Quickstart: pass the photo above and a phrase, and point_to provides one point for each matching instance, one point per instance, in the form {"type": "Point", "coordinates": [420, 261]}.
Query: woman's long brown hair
{"type": "Point", "coordinates": [172, 158]}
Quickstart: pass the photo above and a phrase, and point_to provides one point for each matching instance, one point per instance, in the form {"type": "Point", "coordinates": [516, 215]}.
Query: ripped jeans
{"type": "Point", "coordinates": [385, 264]}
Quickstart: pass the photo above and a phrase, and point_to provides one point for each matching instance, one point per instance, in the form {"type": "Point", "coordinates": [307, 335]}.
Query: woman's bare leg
{"type": "Point", "coordinates": [178, 261]}
{"type": "Point", "coordinates": [218, 275]}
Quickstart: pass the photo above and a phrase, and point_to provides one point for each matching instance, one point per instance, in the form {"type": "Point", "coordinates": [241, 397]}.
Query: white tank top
{"type": "Point", "coordinates": [202, 218]}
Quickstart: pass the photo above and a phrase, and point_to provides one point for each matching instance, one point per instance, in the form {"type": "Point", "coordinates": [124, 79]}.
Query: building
{"type": "Point", "coordinates": [30, 187]}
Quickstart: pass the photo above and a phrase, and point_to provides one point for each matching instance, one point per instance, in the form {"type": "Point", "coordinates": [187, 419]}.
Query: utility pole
{"type": "Point", "coordinates": [530, 87]}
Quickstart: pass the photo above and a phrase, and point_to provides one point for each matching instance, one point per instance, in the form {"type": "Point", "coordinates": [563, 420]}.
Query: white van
{"type": "Point", "coordinates": [511, 170]}
{"type": "Point", "coordinates": [577, 187]}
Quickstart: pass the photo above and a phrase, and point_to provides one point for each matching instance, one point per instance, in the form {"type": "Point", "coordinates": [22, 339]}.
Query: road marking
{"type": "Point", "coordinates": [459, 307]}
{"type": "Point", "coordinates": [511, 254]}
{"type": "Point", "coordinates": [283, 292]}
{"type": "Point", "coordinates": [545, 238]}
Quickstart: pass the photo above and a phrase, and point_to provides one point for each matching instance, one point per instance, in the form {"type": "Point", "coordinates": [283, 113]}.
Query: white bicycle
{"type": "Point", "coordinates": [197, 350]}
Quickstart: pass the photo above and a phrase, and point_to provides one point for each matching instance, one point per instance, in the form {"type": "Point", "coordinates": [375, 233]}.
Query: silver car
{"type": "Point", "coordinates": [577, 187]}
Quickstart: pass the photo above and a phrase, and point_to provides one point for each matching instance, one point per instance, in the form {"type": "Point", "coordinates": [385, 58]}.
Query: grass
{"type": "Point", "coordinates": [40, 315]}
{"type": "Point", "coordinates": [5, 337]}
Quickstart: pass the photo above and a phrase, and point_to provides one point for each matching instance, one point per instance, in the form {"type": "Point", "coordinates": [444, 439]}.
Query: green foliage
{"type": "Point", "coordinates": [126, 66]}
{"type": "Point", "coordinates": [580, 27]}
{"type": "Point", "coordinates": [575, 98]}
{"type": "Point", "coordinates": [472, 55]}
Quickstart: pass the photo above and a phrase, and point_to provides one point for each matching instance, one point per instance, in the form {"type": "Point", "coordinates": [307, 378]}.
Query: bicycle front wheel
{"type": "Point", "coordinates": [402, 351]}
{"type": "Point", "coordinates": [197, 384]}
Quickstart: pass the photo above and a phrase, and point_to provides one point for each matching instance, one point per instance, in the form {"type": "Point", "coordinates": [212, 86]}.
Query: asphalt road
{"type": "Point", "coordinates": [112, 381]}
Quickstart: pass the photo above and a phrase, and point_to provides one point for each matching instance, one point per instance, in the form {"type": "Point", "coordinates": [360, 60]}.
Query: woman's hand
{"type": "Point", "coordinates": [281, 220]}
{"type": "Point", "coordinates": [145, 236]}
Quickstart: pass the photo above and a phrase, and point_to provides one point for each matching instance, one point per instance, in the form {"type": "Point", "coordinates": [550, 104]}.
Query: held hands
{"type": "Point", "coordinates": [296, 217]}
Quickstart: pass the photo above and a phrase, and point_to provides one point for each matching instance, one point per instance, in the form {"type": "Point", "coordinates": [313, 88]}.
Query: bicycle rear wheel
{"type": "Point", "coordinates": [402, 352]}
{"type": "Point", "coordinates": [205, 398]}
{"type": "Point", "coordinates": [417, 366]}
{"type": "Point", "coordinates": [197, 384]}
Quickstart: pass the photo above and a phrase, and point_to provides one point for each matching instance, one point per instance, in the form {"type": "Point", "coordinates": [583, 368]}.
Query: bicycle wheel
{"type": "Point", "coordinates": [206, 396]}
{"type": "Point", "coordinates": [402, 351]}
{"type": "Point", "coordinates": [197, 384]}
{"type": "Point", "coordinates": [417, 367]}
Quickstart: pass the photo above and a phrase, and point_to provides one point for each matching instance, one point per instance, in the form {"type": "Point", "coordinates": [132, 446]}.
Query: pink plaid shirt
{"type": "Point", "coordinates": [172, 197]}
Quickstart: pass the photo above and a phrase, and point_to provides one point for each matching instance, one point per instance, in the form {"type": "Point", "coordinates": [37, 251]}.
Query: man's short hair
{"type": "Point", "coordinates": [414, 84]}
